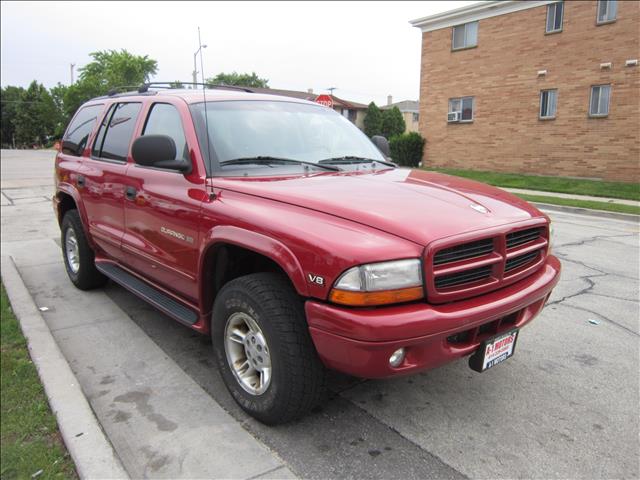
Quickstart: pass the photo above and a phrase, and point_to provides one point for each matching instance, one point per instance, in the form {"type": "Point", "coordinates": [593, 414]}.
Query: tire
{"type": "Point", "coordinates": [80, 265]}
{"type": "Point", "coordinates": [296, 381]}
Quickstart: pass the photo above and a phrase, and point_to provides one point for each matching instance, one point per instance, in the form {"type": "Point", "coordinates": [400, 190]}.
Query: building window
{"type": "Point", "coordinates": [465, 36]}
{"type": "Point", "coordinates": [554, 17]}
{"type": "Point", "coordinates": [460, 109]}
{"type": "Point", "coordinates": [416, 117]}
{"type": "Point", "coordinates": [599, 102]}
{"type": "Point", "coordinates": [607, 11]}
{"type": "Point", "coordinates": [548, 102]}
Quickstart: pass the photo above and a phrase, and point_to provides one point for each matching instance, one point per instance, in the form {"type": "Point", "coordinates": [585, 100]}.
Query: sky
{"type": "Point", "coordinates": [367, 50]}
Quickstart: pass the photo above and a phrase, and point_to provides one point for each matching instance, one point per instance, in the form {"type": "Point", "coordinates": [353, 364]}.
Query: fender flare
{"type": "Point", "coordinates": [70, 190]}
{"type": "Point", "coordinates": [259, 243]}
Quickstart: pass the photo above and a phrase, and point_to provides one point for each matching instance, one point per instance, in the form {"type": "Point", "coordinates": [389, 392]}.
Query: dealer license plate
{"type": "Point", "coordinates": [494, 351]}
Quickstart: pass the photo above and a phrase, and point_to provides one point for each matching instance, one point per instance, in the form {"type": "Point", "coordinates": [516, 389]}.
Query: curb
{"type": "Point", "coordinates": [90, 449]}
{"type": "Point", "coordinates": [629, 217]}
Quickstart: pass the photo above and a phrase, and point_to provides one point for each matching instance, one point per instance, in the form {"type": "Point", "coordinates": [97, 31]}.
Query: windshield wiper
{"type": "Point", "coordinates": [267, 160]}
{"type": "Point", "coordinates": [351, 159]}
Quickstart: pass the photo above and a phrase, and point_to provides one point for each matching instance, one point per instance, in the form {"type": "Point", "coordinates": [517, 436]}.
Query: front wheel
{"type": "Point", "coordinates": [263, 348]}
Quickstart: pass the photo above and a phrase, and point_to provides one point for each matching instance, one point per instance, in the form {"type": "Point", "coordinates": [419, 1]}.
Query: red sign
{"type": "Point", "coordinates": [325, 100]}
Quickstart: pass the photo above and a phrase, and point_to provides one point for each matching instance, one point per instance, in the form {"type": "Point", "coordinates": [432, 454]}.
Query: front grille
{"type": "Point", "coordinates": [459, 270]}
{"type": "Point", "coordinates": [520, 260]}
{"type": "Point", "coordinates": [467, 276]}
{"type": "Point", "coordinates": [516, 239]}
{"type": "Point", "coordinates": [464, 251]}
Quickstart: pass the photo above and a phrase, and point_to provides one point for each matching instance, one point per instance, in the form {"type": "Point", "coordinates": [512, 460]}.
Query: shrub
{"type": "Point", "coordinates": [392, 122]}
{"type": "Point", "coordinates": [407, 149]}
{"type": "Point", "coordinates": [373, 121]}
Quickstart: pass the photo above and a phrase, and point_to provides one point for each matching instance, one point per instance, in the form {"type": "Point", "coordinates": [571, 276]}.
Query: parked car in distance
{"type": "Point", "coordinates": [278, 228]}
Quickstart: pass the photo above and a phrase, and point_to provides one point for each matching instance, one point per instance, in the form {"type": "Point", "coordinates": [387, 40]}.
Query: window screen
{"type": "Point", "coordinates": [77, 134]}
{"type": "Point", "coordinates": [607, 10]}
{"type": "Point", "coordinates": [164, 119]}
{"type": "Point", "coordinates": [113, 144]}
{"type": "Point", "coordinates": [548, 101]}
{"type": "Point", "coordinates": [554, 17]}
{"type": "Point", "coordinates": [464, 106]}
{"type": "Point", "coordinates": [465, 35]}
{"type": "Point", "coordinates": [599, 103]}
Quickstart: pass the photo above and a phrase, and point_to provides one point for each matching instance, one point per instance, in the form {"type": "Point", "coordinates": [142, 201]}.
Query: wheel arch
{"type": "Point", "coordinates": [221, 247]}
{"type": "Point", "coordinates": [69, 199]}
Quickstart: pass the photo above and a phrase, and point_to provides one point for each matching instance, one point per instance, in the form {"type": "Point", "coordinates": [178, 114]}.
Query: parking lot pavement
{"type": "Point", "coordinates": [565, 406]}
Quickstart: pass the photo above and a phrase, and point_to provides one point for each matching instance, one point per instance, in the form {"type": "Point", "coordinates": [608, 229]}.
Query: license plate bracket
{"type": "Point", "coordinates": [494, 350]}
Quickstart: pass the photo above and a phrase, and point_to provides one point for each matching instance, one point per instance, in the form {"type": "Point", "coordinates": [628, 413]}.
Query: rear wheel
{"type": "Point", "coordinates": [79, 259]}
{"type": "Point", "coordinates": [264, 350]}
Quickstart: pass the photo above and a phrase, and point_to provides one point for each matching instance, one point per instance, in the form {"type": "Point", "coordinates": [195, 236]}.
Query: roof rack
{"type": "Point", "coordinates": [123, 88]}
{"type": "Point", "coordinates": [170, 85]}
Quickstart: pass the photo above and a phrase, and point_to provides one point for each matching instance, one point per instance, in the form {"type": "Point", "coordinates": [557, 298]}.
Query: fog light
{"type": "Point", "coordinates": [396, 357]}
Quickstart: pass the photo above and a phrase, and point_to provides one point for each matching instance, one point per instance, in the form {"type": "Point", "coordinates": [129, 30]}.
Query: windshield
{"type": "Point", "coordinates": [246, 134]}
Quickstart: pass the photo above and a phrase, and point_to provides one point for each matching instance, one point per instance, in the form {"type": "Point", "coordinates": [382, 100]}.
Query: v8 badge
{"type": "Point", "coordinates": [317, 279]}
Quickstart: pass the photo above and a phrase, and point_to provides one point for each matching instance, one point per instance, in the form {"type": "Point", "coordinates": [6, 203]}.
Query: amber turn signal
{"type": "Point", "coordinates": [371, 299]}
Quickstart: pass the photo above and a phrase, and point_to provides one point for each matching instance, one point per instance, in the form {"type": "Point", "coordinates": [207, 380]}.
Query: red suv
{"type": "Point", "coordinates": [281, 230]}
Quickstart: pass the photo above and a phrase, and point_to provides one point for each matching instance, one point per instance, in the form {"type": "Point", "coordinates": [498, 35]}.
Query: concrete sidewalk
{"type": "Point", "coordinates": [573, 197]}
{"type": "Point", "coordinates": [160, 422]}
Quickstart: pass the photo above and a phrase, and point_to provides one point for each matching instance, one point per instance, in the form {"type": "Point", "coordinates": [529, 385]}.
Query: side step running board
{"type": "Point", "coordinates": [151, 294]}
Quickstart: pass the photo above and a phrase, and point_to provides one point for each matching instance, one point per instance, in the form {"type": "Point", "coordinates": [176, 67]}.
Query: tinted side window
{"type": "Point", "coordinates": [115, 144]}
{"type": "Point", "coordinates": [164, 119]}
{"type": "Point", "coordinates": [77, 134]}
{"type": "Point", "coordinates": [97, 144]}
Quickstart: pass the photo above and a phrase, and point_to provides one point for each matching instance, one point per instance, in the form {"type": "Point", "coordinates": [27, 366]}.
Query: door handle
{"type": "Point", "coordinates": [130, 193]}
{"type": "Point", "coordinates": [81, 181]}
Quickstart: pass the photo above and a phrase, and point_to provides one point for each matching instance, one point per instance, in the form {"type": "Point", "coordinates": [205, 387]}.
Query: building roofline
{"type": "Point", "coordinates": [476, 11]}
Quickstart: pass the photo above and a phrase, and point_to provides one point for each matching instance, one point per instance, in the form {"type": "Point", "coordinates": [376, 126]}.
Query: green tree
{"type": "Point", "coordinates": [57, 94]}
{"type": "Point", "coordinates": [373, 120]}
{"type": "Point", "coordinates": [11, 98]}
{"type": "Point", "coordinates": [239, 79]}
{"type": "Point", "coordinates": [37, 116]}
{"type": "Point", "coordinates": [109, 69]}
{"type": "Point", "coordinates": [407, 149]}
{"type": "Point", "coordinates": [176, 84]}
{"type": "Point", "coordinates": [392, 122]}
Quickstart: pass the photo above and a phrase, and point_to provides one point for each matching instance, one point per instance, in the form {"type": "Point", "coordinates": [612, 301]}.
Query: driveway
{"type": "Point", "coordinates": [565, 406]}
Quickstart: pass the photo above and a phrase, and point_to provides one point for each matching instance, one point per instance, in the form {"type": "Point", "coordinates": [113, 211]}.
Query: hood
{"type": "Point", "coordinates": [416, 205]}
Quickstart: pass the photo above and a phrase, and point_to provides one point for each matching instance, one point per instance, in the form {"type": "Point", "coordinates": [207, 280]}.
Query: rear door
{"type": "Point", "coordinates": [102, 180]}
{"type": "Point", "coordinates": [162, 219]}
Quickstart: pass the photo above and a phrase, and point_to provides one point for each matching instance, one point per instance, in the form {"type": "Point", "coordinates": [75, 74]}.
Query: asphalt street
{"type": "Point", "coordinates": [565, 406]}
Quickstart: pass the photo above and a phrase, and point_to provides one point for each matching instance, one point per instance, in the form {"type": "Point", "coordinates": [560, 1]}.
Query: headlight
{"type": "Point", "coordinates": [379, 284]}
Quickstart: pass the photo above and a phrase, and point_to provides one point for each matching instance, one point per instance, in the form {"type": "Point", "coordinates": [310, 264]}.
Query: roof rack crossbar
{"type": "Point", "coordinates": [145, 86]}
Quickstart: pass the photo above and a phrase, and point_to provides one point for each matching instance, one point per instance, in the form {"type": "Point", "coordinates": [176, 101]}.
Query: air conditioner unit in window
{"type": "Point", "coordinates": [453, 117]}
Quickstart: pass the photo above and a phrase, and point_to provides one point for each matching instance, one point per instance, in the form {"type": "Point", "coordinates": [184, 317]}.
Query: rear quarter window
{"type": "Point", "coordinates": [79, 130]}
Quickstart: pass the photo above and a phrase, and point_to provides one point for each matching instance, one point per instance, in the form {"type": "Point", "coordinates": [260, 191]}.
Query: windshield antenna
{"type": "Point", "coordinates": [204, 97]}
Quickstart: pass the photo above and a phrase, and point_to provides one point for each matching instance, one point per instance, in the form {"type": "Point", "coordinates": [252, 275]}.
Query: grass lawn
{"type": "Point", "coordinates": [627, 191]}
{"type": "Point", "coordinates": [29, 437]}
{"type": "Point", "coordinates": [609, 207]}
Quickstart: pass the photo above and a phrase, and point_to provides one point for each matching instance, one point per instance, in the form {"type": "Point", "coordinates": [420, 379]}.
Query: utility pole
{"type": "Point", "coordinates": [71, 70]}
{"type": "Point", "coordinates": [331, 89]}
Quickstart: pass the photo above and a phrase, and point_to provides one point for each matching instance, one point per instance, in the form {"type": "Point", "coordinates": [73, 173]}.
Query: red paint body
{"type": "Point", "coordinates": [322, 224]}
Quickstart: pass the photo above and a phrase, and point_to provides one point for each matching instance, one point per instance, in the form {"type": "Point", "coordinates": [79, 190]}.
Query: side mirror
{"type": "Point", "coordinates": [382, 144]}
{"type": "Point", "coordinates": [158, 151]}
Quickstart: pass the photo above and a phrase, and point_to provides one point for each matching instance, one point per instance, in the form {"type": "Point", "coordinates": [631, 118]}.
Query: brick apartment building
{"type": "Point", "coordinates": [541, 87]}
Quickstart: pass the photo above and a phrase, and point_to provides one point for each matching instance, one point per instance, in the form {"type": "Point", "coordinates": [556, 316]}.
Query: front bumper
{"type": "Point", "coordinates": [359, 342]}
